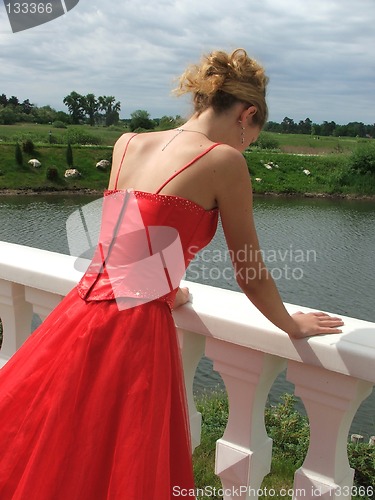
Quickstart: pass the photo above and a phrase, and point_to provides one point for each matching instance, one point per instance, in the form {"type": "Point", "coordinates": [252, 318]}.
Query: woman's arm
{"type": "Point", "coordinates": [234, 198]}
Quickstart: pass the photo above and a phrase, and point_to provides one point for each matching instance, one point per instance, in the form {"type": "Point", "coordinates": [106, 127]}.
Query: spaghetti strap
{"type": "Point", "coordinates": [188, 165]}
{"type": "Point", "coordinates": [122, 160]}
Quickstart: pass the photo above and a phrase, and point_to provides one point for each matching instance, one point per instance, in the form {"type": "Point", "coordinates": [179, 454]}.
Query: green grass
{"type": "Point", "coordinates": [329, 174]}
{"type": "Point", "coordinates": [41, 134]}
{"type": "Point", "coordinates": [329, 166]}
{"type": "Point", "coordinates": [15, 177]}
{"type": "Point", "coordinates": [290, 433]}
{"type": "Point", "coordinates": [304, 143]}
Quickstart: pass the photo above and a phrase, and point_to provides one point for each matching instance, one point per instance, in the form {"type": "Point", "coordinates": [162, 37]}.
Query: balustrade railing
{"type": "Point", "coordinates": [332, 374]}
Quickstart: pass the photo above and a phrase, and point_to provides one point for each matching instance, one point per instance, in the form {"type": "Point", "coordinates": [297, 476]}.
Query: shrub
{"type": "Point", "coordinates": [28, 146]}
{"type": "Point", "coordinates": [362, 160]}
{"type": "Point", "coordinates": [69, 156]}
{"type": "Point", "coordinates": [76, 136]}
{"type": "Point", "coordinates": [265, 141]}
{"type": "Point", "coordinates": [52, 174]}
{"type": "Point", "coordinates": [58, 124]}
{"type": "Point", "coordinates": [289, 430]}
{"type": "Point", "coordinates": [18, 155]}
{"type": "Point", "coordinates": [362, 460]}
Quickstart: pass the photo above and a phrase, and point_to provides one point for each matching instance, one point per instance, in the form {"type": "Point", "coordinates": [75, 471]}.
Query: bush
{"type": "Point", "coordinates": [28, 146]}
{"type": "Point", "coordinates": [362, 159]}
{"type": "Point", "coordinates": [52, 174]}
{"type": "Point", "coordinates": [18, 155]}
{"type": "Point", "coordinates": [289, 430]}
{"type": "Point", "coordinates": [59, 124]}
{"type": "Point", "coordinates": [76, 136]}
{"type": "Point", "coordinates": [69, 156]}
{"type": "Point", "coordinates": [266, 141]}
{"type": "Point", "coordinates": [362, 460]}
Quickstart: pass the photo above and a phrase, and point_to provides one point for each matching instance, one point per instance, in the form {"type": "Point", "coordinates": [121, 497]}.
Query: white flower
{"type": "Point", "coordinates": [307, 172]}
{"type": "Point", "coordinates": [258, 179]}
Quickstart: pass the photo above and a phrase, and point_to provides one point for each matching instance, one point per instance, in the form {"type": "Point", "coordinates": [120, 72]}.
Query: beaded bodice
{"type": "Point", "coordinates": [146, 243]}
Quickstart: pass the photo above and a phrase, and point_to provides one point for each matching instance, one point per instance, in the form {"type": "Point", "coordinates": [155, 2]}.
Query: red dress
{"type": "Point", "coordinates": [92, 406]}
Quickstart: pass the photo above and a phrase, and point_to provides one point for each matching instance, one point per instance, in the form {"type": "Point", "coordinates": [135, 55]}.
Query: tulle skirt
{"type": "Point", "coordinates": [92, 407]}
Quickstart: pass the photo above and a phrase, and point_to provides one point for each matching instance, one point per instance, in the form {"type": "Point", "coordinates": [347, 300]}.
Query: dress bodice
{"type": "Point", "coordinates": [146, 242]}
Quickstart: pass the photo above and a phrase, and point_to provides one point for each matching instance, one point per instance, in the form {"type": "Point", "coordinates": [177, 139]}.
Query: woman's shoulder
{"type": "Point", "coordinates": [124, 138]}
{"type": "Point", "coordinates": [228, 159]}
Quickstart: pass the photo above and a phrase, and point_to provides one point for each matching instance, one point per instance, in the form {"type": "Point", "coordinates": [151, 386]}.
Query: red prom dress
{"type": "Point", "coordinates": [92, 406]}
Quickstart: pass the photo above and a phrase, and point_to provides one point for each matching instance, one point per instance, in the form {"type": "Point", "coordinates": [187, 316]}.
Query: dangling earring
{"type": "Point", "coordinates": [242, 135]}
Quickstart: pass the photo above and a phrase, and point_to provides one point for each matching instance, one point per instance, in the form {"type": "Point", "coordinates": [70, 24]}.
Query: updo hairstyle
{"type": "Point", "coordinates": [222, 80]}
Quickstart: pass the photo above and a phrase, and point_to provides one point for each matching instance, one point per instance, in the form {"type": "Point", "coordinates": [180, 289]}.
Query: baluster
{"type": "Point", "coordinates": [331, 401]}
{"type": "Point", "coordinates": [243, 454]}
{"type": "Point", "coordinates": [43, 302]}
{"type": "Point", "coordinates": [192, 350]}
{"type": "Point", "coordinates": [16, 316]}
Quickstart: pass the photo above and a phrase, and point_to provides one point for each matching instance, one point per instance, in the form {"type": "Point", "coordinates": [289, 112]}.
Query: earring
{"type": "Point", "coordinates": [242, 135]}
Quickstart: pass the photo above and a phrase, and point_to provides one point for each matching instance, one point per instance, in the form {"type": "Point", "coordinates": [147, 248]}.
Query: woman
{"type": "Point", "coordinates": [92, 406]}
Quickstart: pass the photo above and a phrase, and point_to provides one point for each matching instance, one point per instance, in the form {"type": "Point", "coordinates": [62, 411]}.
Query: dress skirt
{"type": "Point", "coordinates": [93, 407]}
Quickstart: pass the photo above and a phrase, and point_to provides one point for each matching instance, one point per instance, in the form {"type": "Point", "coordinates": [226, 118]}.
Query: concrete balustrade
{"type": "Point", "coordinates": [332, 374]}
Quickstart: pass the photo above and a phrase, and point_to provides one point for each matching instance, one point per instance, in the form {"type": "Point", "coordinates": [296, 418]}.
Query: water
{"type": "Point", "coordinates": [319, 251]}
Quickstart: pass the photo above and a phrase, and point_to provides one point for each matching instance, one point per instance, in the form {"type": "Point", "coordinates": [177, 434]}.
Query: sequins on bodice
{"type": "Point", "coordinates": [125, 248]}
{"type": "Point", "coordinates": [146, 242]}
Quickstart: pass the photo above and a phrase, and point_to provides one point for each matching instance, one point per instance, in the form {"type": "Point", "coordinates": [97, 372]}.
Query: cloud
{"type": "Point", "coordinates": [317, 54]}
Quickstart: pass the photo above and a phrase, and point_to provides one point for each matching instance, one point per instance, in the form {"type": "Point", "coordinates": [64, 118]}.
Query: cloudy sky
{"type": "Point", "coordinates": [319, 54]}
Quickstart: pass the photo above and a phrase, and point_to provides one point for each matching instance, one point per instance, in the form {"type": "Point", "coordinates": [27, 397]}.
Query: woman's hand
{"type": "Point", "coordinates": [315, 323]}
{"type": "Point", "coordinates": [181, 298]}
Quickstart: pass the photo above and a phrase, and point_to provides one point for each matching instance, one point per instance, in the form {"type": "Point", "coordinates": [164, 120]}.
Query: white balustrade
{"type": "Point", "coordinates": [332, 374]}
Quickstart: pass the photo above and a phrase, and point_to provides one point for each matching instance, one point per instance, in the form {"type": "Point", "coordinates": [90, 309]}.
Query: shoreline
{"type": "Point", "coordinates": [99, 192]}
{"type": "Point", "coordinates": [50, 192]}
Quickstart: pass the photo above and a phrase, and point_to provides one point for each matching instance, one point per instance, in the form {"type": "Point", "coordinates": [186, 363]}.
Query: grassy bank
{"type": "Point", "coordinates": [307, 174]}
{"type": "Point", "coordinates": [289, 168]}
{"type": "Point", "coordinates": [14, 177]}
{"type": "Point", "coordinates": [290, 433]}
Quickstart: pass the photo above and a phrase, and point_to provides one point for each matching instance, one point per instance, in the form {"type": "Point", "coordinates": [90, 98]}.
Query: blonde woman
{"type": "Point", "coordinates": [92, 406]}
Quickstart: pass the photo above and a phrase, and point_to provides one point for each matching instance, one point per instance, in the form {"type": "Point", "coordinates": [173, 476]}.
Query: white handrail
{"type": "Point", "coordinates": [332, 374]}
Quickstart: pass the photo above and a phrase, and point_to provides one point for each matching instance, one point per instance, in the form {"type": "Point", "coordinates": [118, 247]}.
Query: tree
{"type": "Point", "coordinates": [288, 126]}
{"type": "Point", "coordinates": [26, 107]}
{"type": "Point", "coordinates": [272, 127]}
{"type": "Point", "coordinates": [111, 109]}
{"type": "Point", "coordinates": [74, 102]}
{"type": "Point", "coordinates": [327, 128]}
{"type": "Point", "coordinates": [44, 114]}
{"type": "Point", "coordinates": [90, 105]}
{"type": "Point", "coordinates": [61, 116]}
{"type": "Point", "coordinates": [306, 126]}
{"type": "Point", "coordinates": [168, 122]}
{"type": "Point", "coordinates": [141, 119]}
{"type": "Point", "coordinates": [3, 100]}
{"type": "Point", "coordinates": [14, 101]}
{"type": "Point", "coordinates": [7, 115]}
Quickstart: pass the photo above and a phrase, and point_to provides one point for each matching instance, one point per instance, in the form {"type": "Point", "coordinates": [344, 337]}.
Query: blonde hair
{"type": "Point", "coordinates": [223, 79]}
